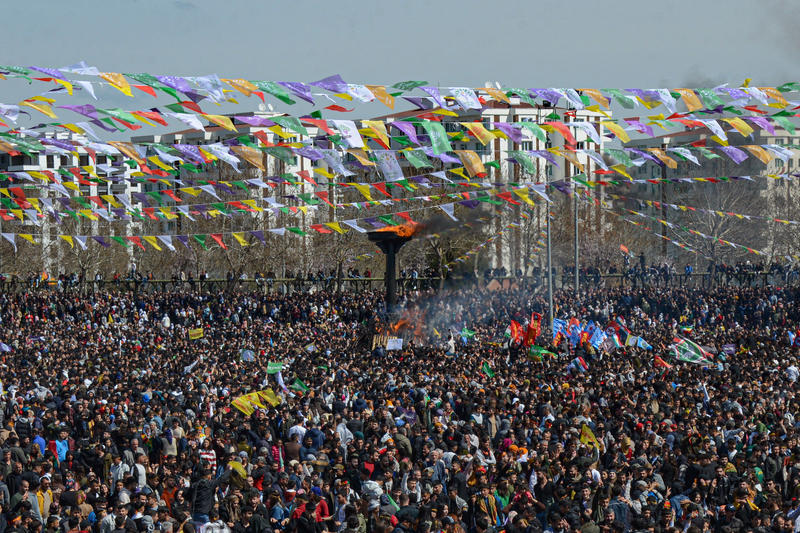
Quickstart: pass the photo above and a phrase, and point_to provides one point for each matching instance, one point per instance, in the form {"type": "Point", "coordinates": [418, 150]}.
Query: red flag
{"type": "Point", "coordinates": [658, 362]}
{"type": "Point", "coordinates": [516, 332]}
{"type": "Point", "coordinates": [534, 329]}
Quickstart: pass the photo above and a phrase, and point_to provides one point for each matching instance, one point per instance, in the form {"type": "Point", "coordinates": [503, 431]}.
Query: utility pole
{"type": "Point", "coordinates": [575, 212]}
{"type": "Point", "coordinates": [549, 257]}
{"type": "Point", "coordinates": [663, 206]}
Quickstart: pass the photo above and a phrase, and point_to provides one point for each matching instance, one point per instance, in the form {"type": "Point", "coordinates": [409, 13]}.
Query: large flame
{"type": "Point", "coordinates": [409, 229]}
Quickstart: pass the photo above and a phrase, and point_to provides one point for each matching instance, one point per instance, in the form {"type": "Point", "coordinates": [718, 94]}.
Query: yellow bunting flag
{"type": "Point", "coordinates": [361, 155]}
{"type": "Point", "coordinates": [363, 188]}
{"type": "Point", "coordinates": [129, 149]}
{"type": "Point", "coordinates": [239, 236]}
{"type": "Point", "coordinates": [195, 334]}
{"type": "Point", "coordinates": [68, 239]}
{"type": "Point", "coordinates": [740, 125]}
{"type": "Point", "coordinates": [160, 164]}
{"type": "Point", "coordinates": [42, 108]}
{"type": "Point", "coordinates": [663, 157]}
{"type": "Point", "coordinates": [597, 96]}
{"type": "Point", "coordinates": [153, 241]}
{"type": "Point", "coordinates": [459, 172]}
{"type": "Point", "coordinates": [775, 94]}
{"type": "Point", "coordinates": [472, 162]}
{"type": "Point", "coordinates": [479, 131]}
{"type": "Point", "coordinates": [382, 95]}
{"type": "Point", "coordinates": [690, 99]}
{"type": "Point", "coordinates": [222, 120]}
{"type": "Point", "coordinates": [28, 237]}
{"type": "Point", "coordinates": [67, 85]}
{"type": "Point", "coordinates": [335, 226]}
{"type": "Point", "coordinates": [243, 86]}
{"type": "Point", "coordinates": [118, 82]}
{"type": "Point", "coordinates": [759, 152]}
{"type": "Point", "coordinates": [524, 195]}
{"type": "Point", "coordinates": [251, 155]}
{"type": "Point", "coordinates": [620, 169]}
{"type": "Point", "coordinates": [379, 128]}
{"type": "Point", "coordinates": [496, 94]}
{"type": "Point", "coordinates": [617, 130]}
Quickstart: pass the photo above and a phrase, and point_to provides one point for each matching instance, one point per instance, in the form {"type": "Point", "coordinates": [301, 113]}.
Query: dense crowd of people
{"type": "Point", "coordinates": [118, 417]}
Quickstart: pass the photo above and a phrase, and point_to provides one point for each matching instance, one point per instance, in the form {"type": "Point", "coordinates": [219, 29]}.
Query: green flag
{"type": "Point", "coordinates": [467, 333]}
{"type": "Point", "coordinates": [299, 386]}
{"type": "Point", "coordinates": [438, 135]}
{"type": "Point", "coordinates": [273, 367]}
{"type": "Point", "coordinates": [536, 352]}
{"type": "Point", "coordinates": [686, 350]}
{"type": "Point", "coordinates": [486, 369]}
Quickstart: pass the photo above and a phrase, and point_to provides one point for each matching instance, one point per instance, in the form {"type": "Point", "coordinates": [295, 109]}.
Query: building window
{"type": "Point", "coordinates": [83, 160]}
{"type": "Point", "coordinates": [51, 161]}
{"type": "Point", "coordinates": [527, 145]}
{"type": "Point", "coordinates": [65, 161]}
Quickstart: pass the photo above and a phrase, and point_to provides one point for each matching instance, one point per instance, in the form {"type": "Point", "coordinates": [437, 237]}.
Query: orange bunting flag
{"type": "Point", "coordinates": [117, 81]}
{"type": "Point", "coordinates": [472, 162]}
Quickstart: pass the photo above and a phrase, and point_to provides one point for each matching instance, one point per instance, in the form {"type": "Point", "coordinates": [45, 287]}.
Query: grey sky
{"type": "Point", "coordinates": [519, 43]}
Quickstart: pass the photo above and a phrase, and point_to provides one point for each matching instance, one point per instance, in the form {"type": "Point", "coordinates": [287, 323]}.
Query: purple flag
{"type": "Point", "coordinates": [300, 89]}
{"type": "Point", "coordinates": [544, 154]}
{"type": "Point", "coordinates": [547, 94]}
{"type": "Point", "coordinates": [736, 155]}
{"type": "Point", "coordinates": [61, 144]}
{"type": "Point", "coordinates": [420, 102]}
{"type": "Point", "coordinates": [50, 72]}
{"type": "Point", "coordinates": [444, 158]}
{"type": "Point", "coordinates": [87, 110]}
{"type": "Point", "coordinates": [472, 204]}
{"type": "Point", "coordinates": [308, 153]}
{"type": "Point", "coordinates": [179, 84]}
{"type": "Point", "coordinates": [255, 121]}
{"type": "Point", "coordinates": [258, 234]}
{"type": "Point", "coordinates": [434, 92]}
{"type": "Point", "coordinates": [762, 123]}
{"type": "Point", "coordinates": [334, 84]}
{"type": "Point", "coordinates": [101, 241]}
{"type": "Point", "coordinates": [513, 133]}
{"type": "Point", "coordinates": [184, 240]}
{"type": "Point", "coordinates": [646, 155]}
{"type": "Point", "coordinates": [408, 128]}
{"type": "Point", "coordinates": [191, 152]}
{"type": "Point", "coordinates": [640, 127]}
{"type": "Point", "coordinates": [374, 223]}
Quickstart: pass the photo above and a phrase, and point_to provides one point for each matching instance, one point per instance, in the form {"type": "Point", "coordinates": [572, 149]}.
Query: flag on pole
{"type": "Point", "coordinates": [299, 386]}
{"type": "Point", "coordinates": [660, 363]}
{"type": "Point", "coordinates": [515, 332]}
{"type": "Point", "coordinates": [536, 352]}
{"type": "Point", "coordinates": [534, 329]}
{"type": "Point", "coordinates": [587, 437]}
{"type": "Point", "coordinates": [486, 369]}
{"type": "Point", "coordinates": [559, 330]}
{"type": "Point", "coordinates": [686, 350]}
{"type": "Point", "coordinates": [686, 330]}
{"type": "Point", "coordinates": [273, 367]}
{"type": "Point", "coordinates": [467, 334]}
